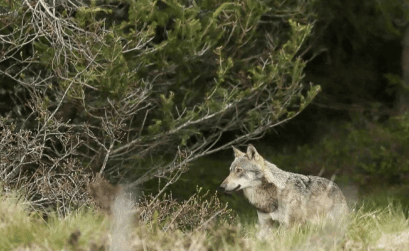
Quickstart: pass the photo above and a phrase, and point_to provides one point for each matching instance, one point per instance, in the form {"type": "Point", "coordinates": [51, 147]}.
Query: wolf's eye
{"type": "Point", "coordinates": [239, 170]}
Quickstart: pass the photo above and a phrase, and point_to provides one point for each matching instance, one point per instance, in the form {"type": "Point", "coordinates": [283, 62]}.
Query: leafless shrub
{"type": "Point", "coordinates": [42, 163]}
{"type": "Point", "coordinates": [63, 189]}
{"type": "Point", "coordinates": [200, 211]}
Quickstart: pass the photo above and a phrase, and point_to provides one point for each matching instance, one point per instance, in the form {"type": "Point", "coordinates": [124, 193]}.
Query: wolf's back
{"type": "Point", "coordinates": [317, 196]}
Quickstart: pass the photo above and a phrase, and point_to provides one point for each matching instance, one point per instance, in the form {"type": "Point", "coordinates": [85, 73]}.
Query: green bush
{"type": "Point", "coordinates": [374, 152]}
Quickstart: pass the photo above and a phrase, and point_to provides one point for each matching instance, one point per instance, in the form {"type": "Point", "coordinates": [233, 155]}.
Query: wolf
{"type": "Point", "coordinates": [280, 196]}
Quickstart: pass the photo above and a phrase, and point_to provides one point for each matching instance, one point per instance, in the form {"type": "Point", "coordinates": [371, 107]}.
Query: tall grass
{"type": "Point", "coordinates": [368, 227]}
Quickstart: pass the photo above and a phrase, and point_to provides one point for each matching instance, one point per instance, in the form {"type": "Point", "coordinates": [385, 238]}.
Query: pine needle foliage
{"type": "Point", "coordinates": [138, 89]}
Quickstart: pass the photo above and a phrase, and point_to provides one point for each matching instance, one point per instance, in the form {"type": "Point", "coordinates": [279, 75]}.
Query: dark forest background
{"type": "Point", "coordinates": [153, 94]}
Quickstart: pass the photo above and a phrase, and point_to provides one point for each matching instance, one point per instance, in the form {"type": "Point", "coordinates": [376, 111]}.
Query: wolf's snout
{"type": "Point", "coordinates": [223, 186]}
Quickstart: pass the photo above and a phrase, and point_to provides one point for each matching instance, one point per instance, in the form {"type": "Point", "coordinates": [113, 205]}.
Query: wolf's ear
{"type": "Point", "coordinates": [252, 153]}
{"type": "Point", "coordinates": [237, 152]}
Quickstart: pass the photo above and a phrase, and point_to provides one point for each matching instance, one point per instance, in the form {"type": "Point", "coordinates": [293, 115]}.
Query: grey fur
{"type": "Point", "coordinates": [282, 196]}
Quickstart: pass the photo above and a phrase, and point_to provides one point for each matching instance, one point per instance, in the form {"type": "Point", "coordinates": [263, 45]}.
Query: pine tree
{"type": "Point", "coordinates": [139, 89]}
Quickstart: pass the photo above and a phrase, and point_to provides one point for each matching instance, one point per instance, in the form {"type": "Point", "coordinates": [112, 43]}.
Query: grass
{"type": "Point", "coordinates": [370, 226]}
{"type": "Point", "coordinates": [21, 228]}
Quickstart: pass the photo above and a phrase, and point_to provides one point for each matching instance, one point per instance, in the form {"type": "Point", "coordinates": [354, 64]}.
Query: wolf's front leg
{"type": "Point", "coordinates": [264, 220]}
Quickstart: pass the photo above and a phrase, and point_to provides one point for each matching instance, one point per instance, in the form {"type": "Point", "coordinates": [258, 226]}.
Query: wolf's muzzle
{"type": "Point", "coordinates": [229, 191]}
{"type": "Point", "coordinates": [237, 188]}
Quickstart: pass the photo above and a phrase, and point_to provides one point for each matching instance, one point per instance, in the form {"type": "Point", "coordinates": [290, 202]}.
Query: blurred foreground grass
{"type": "Point", "coordinates": [370, 226]}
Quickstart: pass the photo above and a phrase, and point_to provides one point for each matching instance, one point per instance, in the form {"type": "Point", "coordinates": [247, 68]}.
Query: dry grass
{"type": "Point", "coordinates": [165, 224]}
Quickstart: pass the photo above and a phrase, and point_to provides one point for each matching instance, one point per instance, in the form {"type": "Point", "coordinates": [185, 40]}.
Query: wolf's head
{"type": "Point", "coordinates": [245, 171]}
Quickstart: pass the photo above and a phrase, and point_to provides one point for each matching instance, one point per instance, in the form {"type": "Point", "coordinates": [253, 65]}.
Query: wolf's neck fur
{"type": "Point", "coordinates": [275, 175]}
{"type": "Point", "coordinates": [265, 196]}
{"type": "Point", "coordinates": [251, 194]}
